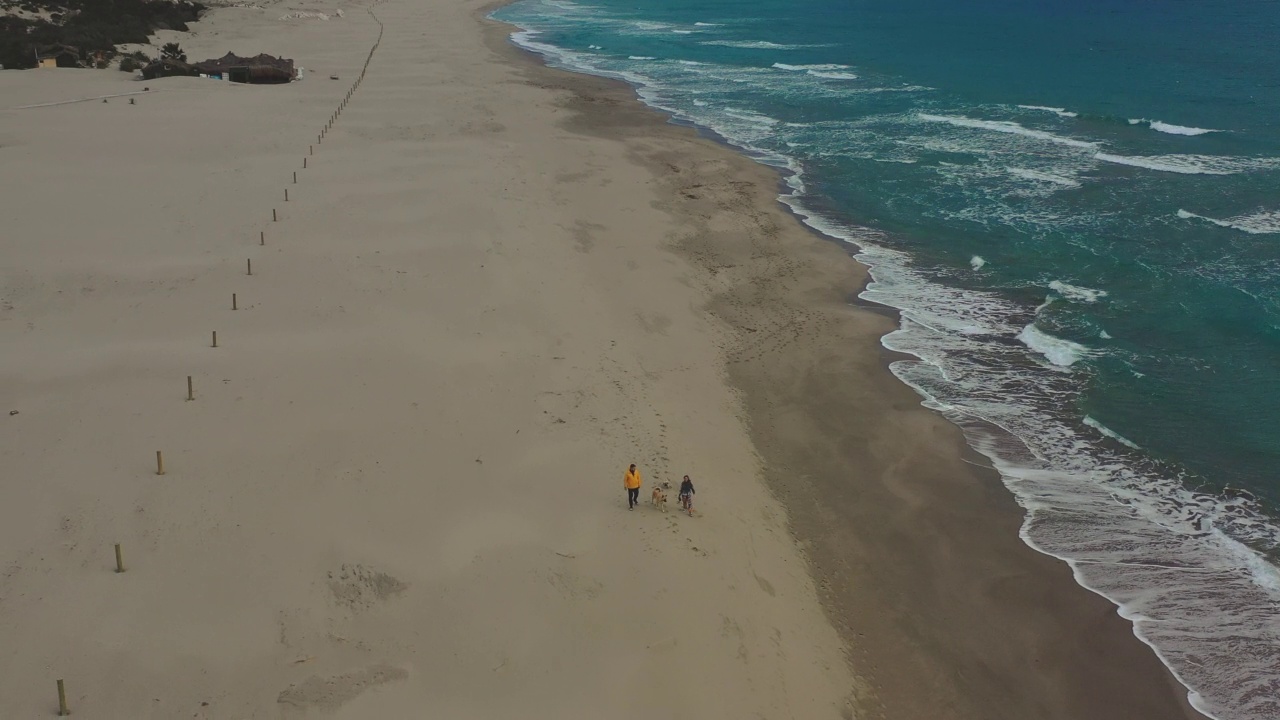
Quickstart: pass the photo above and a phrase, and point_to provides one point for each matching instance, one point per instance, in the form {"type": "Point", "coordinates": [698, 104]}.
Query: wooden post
{"type": "Point", "coordinates": [159, 463]}
{"type": "Point", "coordinates": [62, 700]}
{"type": "Point", "coordinates": [273, 215]}
{"type": "Point", "coordinates": [233, 302]}
{"type": "Point", "coordinates": [119, 560]}
{"type": "Point", "coordinates": [304, 163]}
{"type": "Point", "coordinates": [215, 338]}
{"type": "Point", "coordinates": [286, 194]}
{"type": "Point", "coordinates": [191, 393]}
{"type": "Point", "coordinates": [295, 177]}
{"type": "Point", "coordinates": [262, 236]}
{"type": "Point", "coordinates": [311, 150]}
{"type": "Point", "coordinates": [248, 266]}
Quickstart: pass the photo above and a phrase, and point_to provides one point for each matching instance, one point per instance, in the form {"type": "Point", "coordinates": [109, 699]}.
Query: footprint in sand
{"type": "Point", "coordinates": [329, 694]}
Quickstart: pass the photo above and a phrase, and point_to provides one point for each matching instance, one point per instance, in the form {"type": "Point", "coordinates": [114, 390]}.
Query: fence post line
{"type": "Point", "coordinates": [191, 393]}
{"type": "Point", "coordinates": [159, 463]}
{"type": "Point", "coordinates": [119, 560]}
{"type": "Point", "coordinates": [62, 699]}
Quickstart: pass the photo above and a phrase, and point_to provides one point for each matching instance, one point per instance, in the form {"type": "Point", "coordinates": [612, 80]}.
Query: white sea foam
{"type": "Point", "coordinates": [750, 116]}
{"type": "Point", "coordinates": [976, 262]}
{"type": "Point", "coordinates": [1193, 164]}
{"type": "Point", "coordinates": [1059, 351]}
{"type": "Point", "coordinates": [832, 75]}
{"type": "Point", "coordinates": [1077, 293]}
{"type": "Point", "coordinates": [804, 68]}
{"type": "Point", "coordinates": [684, 32]}
{"type": "Point", "coordinates": [640, 57]}
{"type": "Point", "coordinates": [1131, 533]}
{"type": "Point", "coordinates": [1264, 222]}
{"type": "Point", "coordinates": [702, 24]}
{"type": "Point", "coordinates": [1043, 177]}
{"type": "Point", "coordinates": [904, 88]}
{"type": "Point", "coordinates": [1088, 420]}
{"type": "Point", "coordinates": [753, 44]}
{"type": "Point", "coordinates": [1004, 126]}
{"type": "Point", "coordinates": [1061, 112]}
{"type": "Point", "coordinates": [1104, 335]}
{"type": "Point", "coordinates": [1171, 128]}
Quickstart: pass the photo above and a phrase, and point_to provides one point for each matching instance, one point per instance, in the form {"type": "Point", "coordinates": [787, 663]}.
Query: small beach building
{"type": "Point", "coordinates": [262, 69]}
{"type": "Point", "coordinates": [56, 56]}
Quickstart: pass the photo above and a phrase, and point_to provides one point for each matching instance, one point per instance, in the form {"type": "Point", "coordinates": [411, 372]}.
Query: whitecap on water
{"type": "Point", "coordinates": [1044, 177]}
{"type": "Point", "coordinates": [1077, 293]}
{"type": "Point", "coordinates": [1170, 128]}
{"type": "Point", "coordinates": [754, 44]}
{"type": "Point", "coordinates": [1261, 223]}
{"type": "Point", "coordinates": [1193, 164]}
{"type": "Point", "coordinates": [1088, 420]}
{"type": "Point", "coordinates": [1061, 112]}
{"type": "Point", "coordinates": [1059, 351]}
{"type": "Point", "coordinates": [1005, 126]}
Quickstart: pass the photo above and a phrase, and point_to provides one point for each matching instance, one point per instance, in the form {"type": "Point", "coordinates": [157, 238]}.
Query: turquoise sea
{"type": "Point", "coordinates": [1075, 205]}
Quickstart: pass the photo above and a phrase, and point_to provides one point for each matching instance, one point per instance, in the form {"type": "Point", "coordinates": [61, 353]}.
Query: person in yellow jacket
{"type": "Point", "coordinates": [632, 482]}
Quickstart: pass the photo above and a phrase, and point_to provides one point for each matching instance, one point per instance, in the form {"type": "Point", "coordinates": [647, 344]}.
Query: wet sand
{"type": "Point", "coordinates": [912, 539]}
{"type": "Point", "coordinates": [398, 488]}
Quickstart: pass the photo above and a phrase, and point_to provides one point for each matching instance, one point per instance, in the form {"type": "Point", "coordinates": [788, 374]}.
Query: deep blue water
{"type": "Point", "coordinates": [1076, 207]}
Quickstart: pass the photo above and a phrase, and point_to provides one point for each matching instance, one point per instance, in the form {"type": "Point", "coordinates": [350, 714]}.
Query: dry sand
{"type": "Point", "coordinates": [398, 491]}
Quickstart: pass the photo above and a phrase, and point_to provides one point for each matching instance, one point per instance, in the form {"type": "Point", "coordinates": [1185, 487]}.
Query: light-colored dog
{"type": "Point", "coordinates": [659, 499]}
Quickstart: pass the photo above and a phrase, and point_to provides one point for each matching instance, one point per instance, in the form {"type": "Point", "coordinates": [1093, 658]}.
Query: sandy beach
{"type": "Point", "coordinates": [398, 488]}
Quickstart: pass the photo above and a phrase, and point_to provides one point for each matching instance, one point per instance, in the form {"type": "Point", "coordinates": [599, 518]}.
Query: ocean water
{"type": "Point", "coordinates": [1075, 205]}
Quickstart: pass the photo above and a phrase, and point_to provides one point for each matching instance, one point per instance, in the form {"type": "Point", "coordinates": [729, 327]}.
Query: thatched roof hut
{"type": "Point", "coordinates": [169, 67]}
{"type": "Point", "coordinates": [261, 69]}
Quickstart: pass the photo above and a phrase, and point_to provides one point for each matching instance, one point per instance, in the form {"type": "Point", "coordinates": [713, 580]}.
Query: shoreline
{"type": "Point", "coordinates": [396, 490]}
{"type": "Point", "coordinates": [1050, 568]}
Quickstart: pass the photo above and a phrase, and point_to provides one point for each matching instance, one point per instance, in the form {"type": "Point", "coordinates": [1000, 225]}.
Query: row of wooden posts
{"type": "Point", "coordinates": [63, 709]}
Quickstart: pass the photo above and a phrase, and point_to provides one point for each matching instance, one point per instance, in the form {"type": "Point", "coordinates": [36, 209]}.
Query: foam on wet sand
{"type": "Point", "coordinates": [398, 488]}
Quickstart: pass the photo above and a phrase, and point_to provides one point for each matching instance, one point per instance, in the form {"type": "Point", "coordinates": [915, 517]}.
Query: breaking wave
{"type": "Point", "coordinates": [1262, 223]}
{"type": "Point", "coordinates": [1005, 126]}
{"type": "Point", "coordinates": [1171, 128]}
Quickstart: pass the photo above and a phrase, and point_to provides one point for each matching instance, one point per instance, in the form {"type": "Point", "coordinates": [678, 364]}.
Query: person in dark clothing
{"type": "Point", "coordinates": [686, 495]}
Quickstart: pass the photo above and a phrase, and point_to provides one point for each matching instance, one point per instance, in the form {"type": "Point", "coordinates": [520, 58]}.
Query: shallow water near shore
{"type": "Point", "coordinates": [1076, 210]}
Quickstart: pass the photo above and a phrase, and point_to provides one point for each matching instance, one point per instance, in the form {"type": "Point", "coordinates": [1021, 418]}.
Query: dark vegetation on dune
{"type": "Point", "coordinates": [92, 27]}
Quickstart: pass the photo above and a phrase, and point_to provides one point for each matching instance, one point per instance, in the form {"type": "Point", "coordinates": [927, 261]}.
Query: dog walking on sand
{"type": "Point", "coordinates": [631, 481]}
{"type": "Point", "coordinates": [659, 498]}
